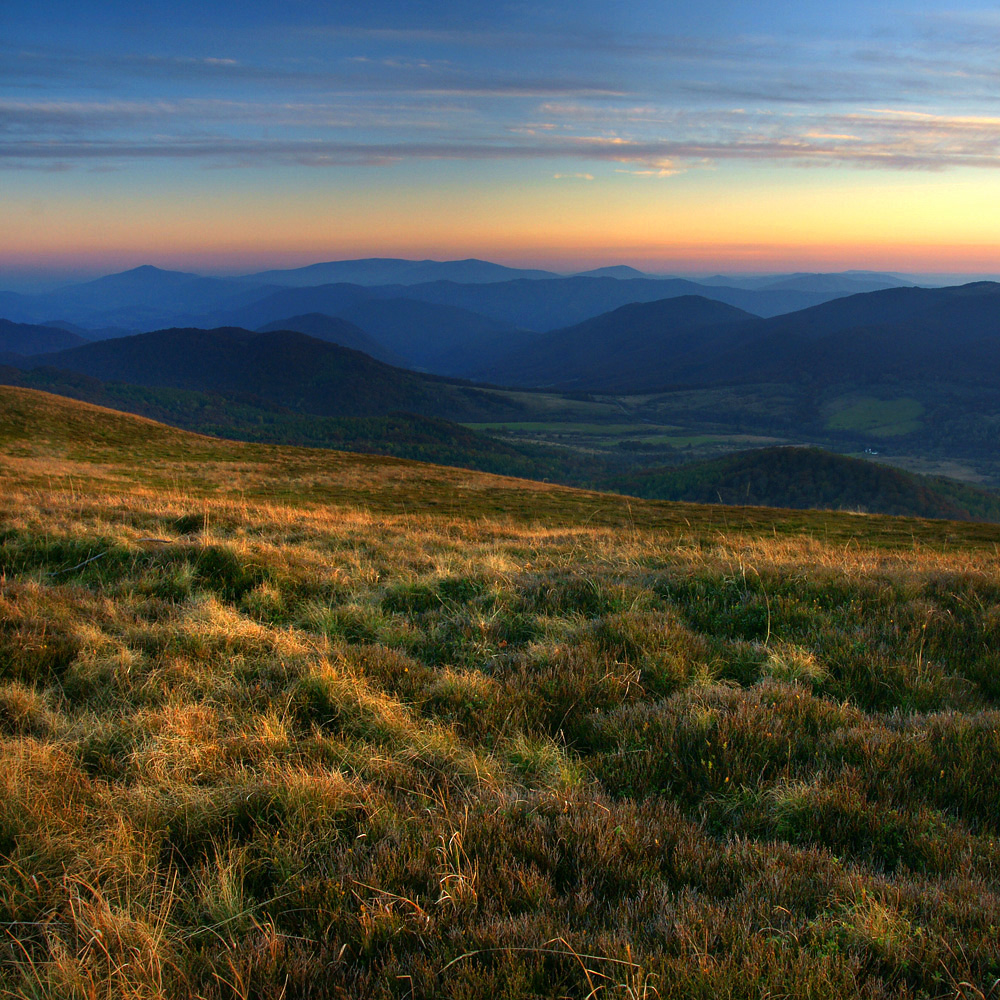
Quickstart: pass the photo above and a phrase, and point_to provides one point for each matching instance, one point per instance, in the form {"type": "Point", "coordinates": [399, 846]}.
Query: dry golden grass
{"type": "Point", "coordinates": [316, 725]}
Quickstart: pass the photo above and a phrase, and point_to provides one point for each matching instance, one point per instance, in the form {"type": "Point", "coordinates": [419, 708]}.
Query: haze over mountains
{"type": "Point", "coordinates": [639, 346]}
{"type": "Point", "coordinates": [778, 359]}
{"type": "Point", "coordinates": [394, 271]}
{"type": "Point", "coordinates": [147, 297]}
{"type": "Point", "coordinates": [29, 338]}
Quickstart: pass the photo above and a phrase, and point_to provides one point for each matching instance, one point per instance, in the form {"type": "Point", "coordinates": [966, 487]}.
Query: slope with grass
{"type": "Point", "coordinates": [601, 454]}
{"type": "Point", "coordinates": [403, 435]}
{"type": "Point", "coordinates": [277, 723]}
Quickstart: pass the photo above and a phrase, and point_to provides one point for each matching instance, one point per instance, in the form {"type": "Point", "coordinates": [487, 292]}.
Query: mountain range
{"type": "Point", "coordinates": [684, 364]}
{"type": "Point", "coordinates": [147, 298]}
{"type": "Point", "coordinates": [917, 334]}
{"type": "Point", "coordinates": [914, 333]}
{"type": "Point", "coordinates": [30, 338]}
{"type": "Point", "coordinates": [394, 271]}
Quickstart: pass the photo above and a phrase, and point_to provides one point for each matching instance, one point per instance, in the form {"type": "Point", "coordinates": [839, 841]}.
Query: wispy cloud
{"type": "Point", "coordinates": [898, 139]}
{"type": "Point", "coordinates": [647, 102]}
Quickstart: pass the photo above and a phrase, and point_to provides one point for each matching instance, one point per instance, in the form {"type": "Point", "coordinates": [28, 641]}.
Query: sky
{"type": "Point", "coordinates": [684, 138]}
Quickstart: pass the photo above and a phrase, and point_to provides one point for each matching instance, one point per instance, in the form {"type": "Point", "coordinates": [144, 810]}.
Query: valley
{"type": "Point", "coordinates": [647, 386]}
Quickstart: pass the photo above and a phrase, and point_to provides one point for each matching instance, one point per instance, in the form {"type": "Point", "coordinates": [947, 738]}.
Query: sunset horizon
{"type": "Point", "coordinates": [558, 137]}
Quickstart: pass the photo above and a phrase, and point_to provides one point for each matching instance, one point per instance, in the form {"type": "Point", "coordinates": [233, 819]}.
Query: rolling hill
{"type": "Point", "coordinates": [283, 722]}
{"type": "Point", "coordinates": [779, 477]}
{"type": "Point", "coordinates": [147, 297]}
{"type": "Point", "coordinates": [644, 337]}
{"type": "Point", "coordinates": [281, 368]}
{"type": "Point", "coordinates": [405, 435]}
{"type": "Point", "coordinates": [442, 339]}
{"type": "Point", "coordinates": [809, 478]}
{"type": "Point", "coordinates": [335, 331]}
{"type": "Point", "coordinates": [140, 298]}
{"type": "Point", "coordinates": [560, 302]}
{"type": "Point", "coordinates": [925, 335]}
{"type": "Point", "coordinates": [28, 338]}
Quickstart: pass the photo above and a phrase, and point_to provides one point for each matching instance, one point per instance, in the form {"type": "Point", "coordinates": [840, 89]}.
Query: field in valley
{"type": "Point", "coordinates": [285, 723]}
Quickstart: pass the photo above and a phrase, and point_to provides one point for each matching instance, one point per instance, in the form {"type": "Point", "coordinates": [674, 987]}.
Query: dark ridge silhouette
{"type": "Point", "coordinates": [443, 339]}
{"type": "Point", "coordinates": [928, 334]}
{"type": "Point", "coordinates": [920, 334]}
{"type": "Point", "coordinates": [811, 478]}
{"type": "Point", "coordinates": [88, 334]}
{"type": "Point", "coordinates": [556, 303]}
{"type": "Point", "coordinates": [335, 330]}
{"type": "Point", "coordinates": [394, 271]}
{"type": "Point", "coordinates": [282, 368]}
{"type": "Point", "coordinates": [614, 349]}
{"type": "Point", "coordinates": [27, 338]}
{"type": "Point", "coordinates": [538, 305]}
{"type": "Point", "coordinates": [148, 297]}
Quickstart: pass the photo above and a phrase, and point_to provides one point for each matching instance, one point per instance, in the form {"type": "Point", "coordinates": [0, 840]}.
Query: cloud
{"type": "Point", "coordinates": [355, 74]}
{"type": "Point", "coordinates": [651, 103]}
{"type": "Point", "coordinates": [883, 138]}
{"type": "Point", "coordinates": [646, 139]}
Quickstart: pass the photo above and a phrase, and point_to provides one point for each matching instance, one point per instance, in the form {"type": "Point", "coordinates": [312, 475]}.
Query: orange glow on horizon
{"type": "Point", "coordinates": [693, 223]}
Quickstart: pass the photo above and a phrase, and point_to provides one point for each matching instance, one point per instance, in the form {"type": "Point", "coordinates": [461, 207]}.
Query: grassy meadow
{"type": "Point", "coordinates": [284, 723]}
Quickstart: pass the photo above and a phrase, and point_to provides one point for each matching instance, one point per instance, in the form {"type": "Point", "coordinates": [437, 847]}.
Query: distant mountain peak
{"type": "Point", "coordinates": [143, 273]}
{"type": "Point", "coordinates": [395, 271]}
{"type": "Point", "coordinates": [613, 271]}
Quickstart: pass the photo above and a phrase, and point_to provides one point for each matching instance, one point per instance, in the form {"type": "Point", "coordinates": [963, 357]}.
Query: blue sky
{"type": "Point", "coordinates": [125, 113]}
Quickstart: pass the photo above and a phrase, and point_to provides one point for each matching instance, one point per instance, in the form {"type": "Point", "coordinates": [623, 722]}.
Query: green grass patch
{"type": "Point", "coordinates": [876, 417]}
{"type": "Point", "coordinates": [573, 428]}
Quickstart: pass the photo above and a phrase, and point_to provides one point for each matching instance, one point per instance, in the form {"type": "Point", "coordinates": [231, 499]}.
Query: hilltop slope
{"type": "Point", "coordinates": [139, 298]}
{"type": "Point", "coordinates": [560, 302]}
{"type": "Point", "coordinates": [335, 330]}
{"type": "Point", "coordinates": [285, 722]}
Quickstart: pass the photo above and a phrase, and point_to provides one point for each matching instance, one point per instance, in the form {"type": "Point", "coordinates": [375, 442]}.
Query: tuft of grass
{"type": "Point", "coordinates": [788, 662]}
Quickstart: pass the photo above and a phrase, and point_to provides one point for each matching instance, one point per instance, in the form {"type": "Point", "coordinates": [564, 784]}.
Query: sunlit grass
{"type": "Point", "coordinates": [318, 725]}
